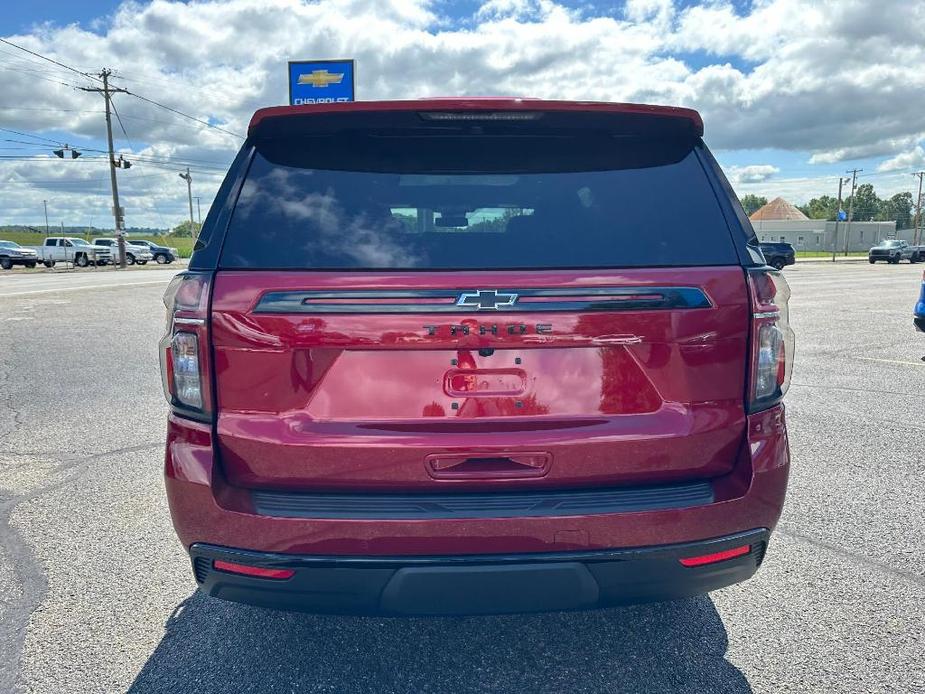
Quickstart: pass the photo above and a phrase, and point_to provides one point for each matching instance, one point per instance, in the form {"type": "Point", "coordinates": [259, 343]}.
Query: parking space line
{"type": "Point", "coordinates": [75, 287]}
{"type": "Point", "coordinates": [893, 361]}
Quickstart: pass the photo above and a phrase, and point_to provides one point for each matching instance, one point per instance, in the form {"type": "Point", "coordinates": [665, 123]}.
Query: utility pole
{"type": "Point", "coordinates": [45, 203]}
{"type": "Point", "coordinates": [841, 181]}
{"type": "Point", "coordinates": [198, 212]}
{"type": "Point", "coordinates": [854, 180]}
{"type": "Point", "coordinates": [918, 209]}
{"type": "Point", "coordinates": [117, 215]}
{"type": "Point", "coordinates": [189, 191]}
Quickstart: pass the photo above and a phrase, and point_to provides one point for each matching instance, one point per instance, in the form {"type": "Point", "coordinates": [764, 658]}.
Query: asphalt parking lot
{"type": "Point", "coordinates": [96, 594]}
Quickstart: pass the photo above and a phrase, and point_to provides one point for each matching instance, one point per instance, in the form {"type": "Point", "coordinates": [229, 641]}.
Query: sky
{"type": "Point", "coordinates": [793, 93]}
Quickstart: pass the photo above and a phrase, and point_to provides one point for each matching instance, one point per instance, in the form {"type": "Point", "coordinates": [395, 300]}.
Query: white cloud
{"type": "Point", "coordinates": [755, 173]}
{"type": "Point", "coordinates": [832, 79]}
{"type": "Point", "coordinates": [914, 158]}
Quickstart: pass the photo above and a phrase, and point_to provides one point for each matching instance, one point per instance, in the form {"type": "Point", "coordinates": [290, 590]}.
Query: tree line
{"type": "Point", "coordinates": [868, 207]}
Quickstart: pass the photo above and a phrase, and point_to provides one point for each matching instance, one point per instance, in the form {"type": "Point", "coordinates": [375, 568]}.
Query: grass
{"type": "Point", "coordinates": [828, 254]}
{"type": "Point", "coordinates": [25, 238]}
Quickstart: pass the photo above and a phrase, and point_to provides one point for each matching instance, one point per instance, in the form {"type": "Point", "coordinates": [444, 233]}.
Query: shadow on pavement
{"type": "Point", "coordinates": [214, 646]}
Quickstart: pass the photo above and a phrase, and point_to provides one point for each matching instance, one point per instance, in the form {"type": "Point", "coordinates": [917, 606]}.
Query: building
{"type": "Point", "coordinates": [781, 221]}
{"type": "Point", "coordinates": [778, 210]}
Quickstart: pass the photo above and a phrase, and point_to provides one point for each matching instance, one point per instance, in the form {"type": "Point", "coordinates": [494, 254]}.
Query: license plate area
{"type": "Point", "coordinates": [467, 466]}
{"type": "Point", "coordinates": [474, 383]}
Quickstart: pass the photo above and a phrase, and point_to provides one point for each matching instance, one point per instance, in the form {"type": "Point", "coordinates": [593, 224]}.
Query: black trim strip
{"type": "Point", "coordinates": [445, 505]}
{"type": "Point", "coordinates": [279, 560]}
{"type": "Point", "coordinates": [375, 301]}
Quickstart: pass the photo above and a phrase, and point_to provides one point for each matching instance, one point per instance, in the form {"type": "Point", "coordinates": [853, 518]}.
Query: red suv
{"type": "Point", "coordinates": [475, 356]}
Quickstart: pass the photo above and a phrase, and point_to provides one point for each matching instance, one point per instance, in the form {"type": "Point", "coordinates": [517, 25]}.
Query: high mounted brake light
{"type": "Point", "coordinates": [772, 339]}
{"type": "Point", "coordinates": [184, 347]}
{"type": "Point", "coordinates": [481, 115]}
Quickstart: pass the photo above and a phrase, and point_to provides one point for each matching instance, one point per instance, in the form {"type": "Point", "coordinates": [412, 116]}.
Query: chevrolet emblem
{"type": "Point", "coordinates": [321, 78]}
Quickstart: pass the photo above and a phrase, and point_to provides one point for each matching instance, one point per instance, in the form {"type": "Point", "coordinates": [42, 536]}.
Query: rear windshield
{"type": "Point", "coordinates": [367, 201]}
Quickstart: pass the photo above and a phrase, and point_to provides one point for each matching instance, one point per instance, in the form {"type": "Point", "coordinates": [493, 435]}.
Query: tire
{"type": "Point", "coordinates": [893, 261]}
{"type": "Point", "coordinates": [6, 263]}
{"type": "Point", "coordinates": [48, 263]}
{"type": "Point", "coordinates": [778, 264]}
{"type": "Point", "coordinates": [81, 260]}
{"type": "Point", "coordinates": [871, 261]}
{"type": "Point", "coordinates": [129, 259]}
{"type": "Point", "coordinates": [30, 265]}
{"type": "Point", "coordinates": [161, 259]}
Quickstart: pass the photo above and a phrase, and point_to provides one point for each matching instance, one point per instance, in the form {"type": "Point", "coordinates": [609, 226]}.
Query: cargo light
{"type": "Point", "coordinates": [255, 571]}
{"type": "Point", "coordinates": [184, 347]}
{"type": "Point", "coordinates": [716, 556]}
{"type": "Point", "coordinates": [772, 339]}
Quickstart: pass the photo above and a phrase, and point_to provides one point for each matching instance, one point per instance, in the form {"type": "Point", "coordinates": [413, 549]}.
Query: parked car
{"type": "Point", "coordinates": [892, 251]}
{"type": "Point", "coordinates": [134, 253]}
{"type": "Point", "coordinates": [778, 255]}
{"type": "Point", "coordinates": [70, 249]}
{"type": "Point", "coordinates": [919, 313]}
{"type": "Point", "coordinates": [11, 253]}
{"type": "Point", "coordinates": [399, 390]}
{"type": "Point", "coordinates": [162, 254]}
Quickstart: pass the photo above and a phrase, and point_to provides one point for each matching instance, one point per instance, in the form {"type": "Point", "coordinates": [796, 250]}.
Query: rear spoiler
{"type": "Point", "coordinates": [639, 119]}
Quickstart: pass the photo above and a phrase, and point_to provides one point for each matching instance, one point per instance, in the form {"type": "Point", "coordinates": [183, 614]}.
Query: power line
{"type": "Point", "coordinates": [185, 115]}
{"type": "Point", "coordinates": [49, 109]}
{"type": "Point", "coordinates": [51, 60]}
{"type": "Point", "coordinates": [137, 96]}
{"type": "Point", "coordinates": [114, 110]}
{"type": "Point", "coordinates": [36, 137]}
{"type": "Point", "coordinates": [39, 76]}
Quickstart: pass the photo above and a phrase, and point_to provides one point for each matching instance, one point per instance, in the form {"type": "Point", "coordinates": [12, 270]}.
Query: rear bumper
{"type": "Point", "coordinates": [478, 584]}
{"type": "Point", "coordinates": [23, 260]}
{"type": "Point", "coordinates": [206, 509]}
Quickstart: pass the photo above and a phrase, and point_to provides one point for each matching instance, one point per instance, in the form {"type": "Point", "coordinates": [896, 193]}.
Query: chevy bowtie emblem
{"type": "Point", "coordinates": [486, 299]}
{"type": "Point", "coordinates": [321, 78]}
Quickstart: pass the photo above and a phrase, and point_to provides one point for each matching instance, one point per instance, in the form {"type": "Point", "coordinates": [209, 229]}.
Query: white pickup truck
{"type": "Point", "coordinates": [59, 249]}
{"type": "Point", "coordinates": [134, 253]}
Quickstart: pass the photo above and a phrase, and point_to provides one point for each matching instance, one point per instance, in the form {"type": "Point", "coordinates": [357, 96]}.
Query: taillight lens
{"type": "Point", "coordinates": [772, 339]}
{"type": "Point", "coordinates": [184, 347]}
{"type": "Point", "coordinates": [187, 382]}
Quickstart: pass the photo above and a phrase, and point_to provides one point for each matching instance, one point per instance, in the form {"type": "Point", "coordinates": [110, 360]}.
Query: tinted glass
{"type": "Point", "coordinates": [378, 202]}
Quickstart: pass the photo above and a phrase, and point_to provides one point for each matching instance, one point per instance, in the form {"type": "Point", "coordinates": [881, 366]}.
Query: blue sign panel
{"type": "Point", "coordinates": [320, 81]}
{"type": "Point", "coordinates": [842, 215]}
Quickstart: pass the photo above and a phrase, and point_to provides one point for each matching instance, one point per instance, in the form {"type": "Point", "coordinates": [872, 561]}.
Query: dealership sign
{"type": "Point", "coordinates": [320, 81]}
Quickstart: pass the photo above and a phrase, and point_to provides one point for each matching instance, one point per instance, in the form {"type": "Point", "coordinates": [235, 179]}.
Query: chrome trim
{"type": "Point", "coordinates": [189, 321]}
{"type": "Point", "coordinates": [640, 298]}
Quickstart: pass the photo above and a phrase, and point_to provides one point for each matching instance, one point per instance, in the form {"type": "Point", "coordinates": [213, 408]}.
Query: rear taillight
{"type": "Point", "coordinates": [772, 339]}
{"type": "Point", "coordinates": [184, 347]}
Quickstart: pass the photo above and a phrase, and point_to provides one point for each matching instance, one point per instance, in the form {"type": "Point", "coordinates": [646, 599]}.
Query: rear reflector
{"type": "Point", "coordinates": [254, 571]}
{"type": "Point", "coordinates": [716, 556]}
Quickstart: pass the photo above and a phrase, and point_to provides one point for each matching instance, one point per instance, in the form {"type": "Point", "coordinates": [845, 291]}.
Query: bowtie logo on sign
{"type": "Point", "coordinates": [320, 82]}
{"type": "Point", "coordinates": [321, 78]}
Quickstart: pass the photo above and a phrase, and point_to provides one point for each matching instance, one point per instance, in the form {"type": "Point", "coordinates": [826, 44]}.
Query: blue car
{"type": "Point", "coordinates": [920, 308]}
{"type": "Point", "coordinates": [162, 254]}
